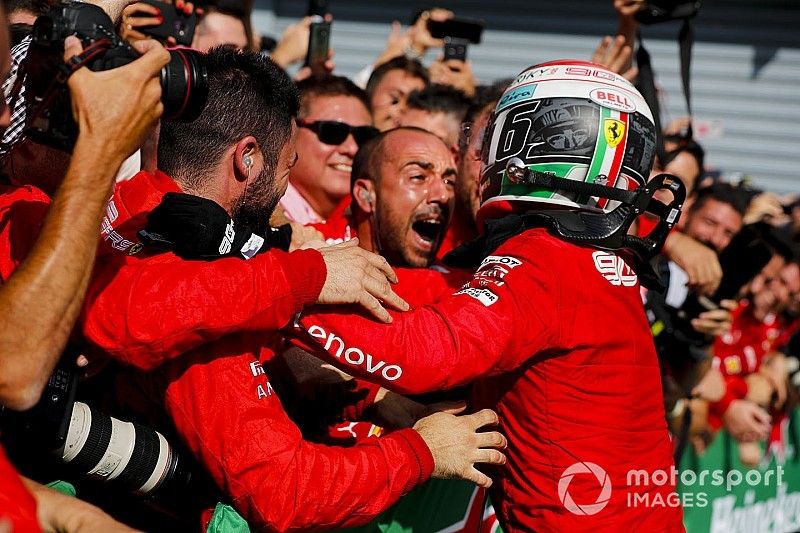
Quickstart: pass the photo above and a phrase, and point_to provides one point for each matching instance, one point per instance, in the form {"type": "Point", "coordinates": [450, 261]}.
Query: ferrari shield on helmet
{"type": "Point", "coordinates": [573, 120]}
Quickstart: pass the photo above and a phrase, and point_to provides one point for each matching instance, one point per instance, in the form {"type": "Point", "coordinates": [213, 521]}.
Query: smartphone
{"type": "Point", "coordinates": [318, 46]}
{"type": "Point", "coordinates": [455, 48]}
{"type": "Point", "coordinates": [317, 8]}
{"type": "Point", "coordinates": [176, 24]}
{"type": "Point", "coordinates": [466, 29]}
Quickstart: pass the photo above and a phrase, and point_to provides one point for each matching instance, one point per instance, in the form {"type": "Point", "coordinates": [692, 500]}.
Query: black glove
{"type": "Point", "coordinates": [198, 228]}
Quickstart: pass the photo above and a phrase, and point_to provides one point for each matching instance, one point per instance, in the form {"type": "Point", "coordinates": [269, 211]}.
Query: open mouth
{"type": "Point", "coordinates": [428, 230]}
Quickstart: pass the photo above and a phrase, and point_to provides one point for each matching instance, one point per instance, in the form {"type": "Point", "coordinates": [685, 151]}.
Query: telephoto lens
{"type": "Point", "coordinates": [135, 457]}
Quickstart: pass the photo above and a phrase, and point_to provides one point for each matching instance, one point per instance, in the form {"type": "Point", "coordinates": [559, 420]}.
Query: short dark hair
{"type": "Point", "coordinates": [438, 98]}
{"type": "Point", "coordinates": [411, 67]}
{"type": "Point", "coordinates": [485, 95]}
{"type": "Point", "coordinates": [317, 86]}
{"type": "Point", "coordinates": [721, 192]}
{"type": "Point", "coordinates": [37, 7]}
{"type": "Point", "coordinates": [689, 146]}
{"type": "Point", "coordinates": [248, 94]}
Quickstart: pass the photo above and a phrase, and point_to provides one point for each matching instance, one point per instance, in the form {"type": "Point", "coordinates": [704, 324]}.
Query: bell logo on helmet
{"type": "Point", "coordinates": [614, 130]}
{"type": "Point", "coordinates": [613, 99]}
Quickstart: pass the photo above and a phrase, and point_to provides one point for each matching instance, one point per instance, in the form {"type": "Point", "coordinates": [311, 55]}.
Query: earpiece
{"type": "Point", "coordinates": [367, 196]}
{"type": "Point", "coordinates": [247, 161]}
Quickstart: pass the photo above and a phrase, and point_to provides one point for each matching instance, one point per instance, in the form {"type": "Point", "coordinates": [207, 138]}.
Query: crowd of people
{"type": "Point", "coordinates": [305, 298]}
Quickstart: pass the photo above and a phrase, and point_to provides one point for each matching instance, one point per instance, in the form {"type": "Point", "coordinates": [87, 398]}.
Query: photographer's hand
{"type": "Point", "coordinates": [136, 16]}
{"type": "Point", "coordinates": [42, 298]}
{"type": "Point", "coordinates": [294, 42]}
{"type": "Point", "coordinates": [715, 322]}
{"type": "Point", "coordinates": [700, 262]}
{"type": "Point", "coordinates": [131, 97]}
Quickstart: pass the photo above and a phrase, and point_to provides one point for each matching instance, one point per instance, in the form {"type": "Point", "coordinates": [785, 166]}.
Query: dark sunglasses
{"type": "Point", "coordinates": [334, 132]}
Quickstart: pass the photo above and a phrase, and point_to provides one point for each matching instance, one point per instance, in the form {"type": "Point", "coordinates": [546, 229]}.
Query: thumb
{"type": "Point", "coordinates": [72, 47]}
{"type": "Point", "coordinates": [394, 33]}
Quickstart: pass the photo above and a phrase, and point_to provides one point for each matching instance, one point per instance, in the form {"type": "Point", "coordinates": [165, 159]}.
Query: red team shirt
{"type": "Point", "coordinates": [557, 338]}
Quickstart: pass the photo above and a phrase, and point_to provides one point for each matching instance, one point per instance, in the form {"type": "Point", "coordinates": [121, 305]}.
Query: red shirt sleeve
{"type": "Point", "coordinates": [144, 311]}
{"type": "Point", "coordinates": [488, 327]}
{"type": "Point", "coordinates": [231, 418]}
{"type": "Point", "coordinates": [17, 505]}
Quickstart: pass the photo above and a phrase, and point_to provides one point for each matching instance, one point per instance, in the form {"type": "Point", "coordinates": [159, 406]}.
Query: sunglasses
{"type": "Point", "coordinates": [334, 132]}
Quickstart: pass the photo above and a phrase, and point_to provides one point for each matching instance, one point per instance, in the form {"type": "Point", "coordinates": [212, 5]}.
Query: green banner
{"type": "Point", "coordinates": [723, 496]}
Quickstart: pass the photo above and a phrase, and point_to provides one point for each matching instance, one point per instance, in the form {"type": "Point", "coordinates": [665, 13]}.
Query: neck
{"type": "Point", "coordinates": [365, 231]}
{"type": "Point", "coordinates": [321, 203]}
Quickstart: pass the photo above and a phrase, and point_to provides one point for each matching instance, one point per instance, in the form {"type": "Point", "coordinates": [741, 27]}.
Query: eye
{"type": "Point", "coordinates": [449, 182]}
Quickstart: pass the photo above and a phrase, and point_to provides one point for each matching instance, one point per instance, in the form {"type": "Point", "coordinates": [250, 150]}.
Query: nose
{"type": "Point", "coordinates": [349, 147]}
{"type": "Point", "coordinates": [720, 240]}
{"type": "Point", "coordinates": [439, 192]}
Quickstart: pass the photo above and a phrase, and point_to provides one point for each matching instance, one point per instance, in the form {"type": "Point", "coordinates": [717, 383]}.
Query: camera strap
{"type": "Point", "coordinates": [647, 85]}
{"type": "Point", "coordinates": [65, 70]}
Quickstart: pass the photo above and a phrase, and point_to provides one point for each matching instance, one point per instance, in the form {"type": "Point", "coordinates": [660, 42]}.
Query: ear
{"type": "Point", "coordinates": [364, 195]}
{"type": "Point", "coordinates": [247, 158]}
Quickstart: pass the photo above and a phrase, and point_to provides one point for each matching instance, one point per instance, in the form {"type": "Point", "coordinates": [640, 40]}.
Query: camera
{"type": "Point", "coordinates": [670, 315]}
{"type": "Point", "coordinates": [665, 10]}
{"type": "Point", "coordinates": [184, 80]}
{"type": "Point", "coordinates": [93, 444]}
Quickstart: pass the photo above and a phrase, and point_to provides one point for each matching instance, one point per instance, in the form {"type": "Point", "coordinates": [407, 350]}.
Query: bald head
{"type": "Point", "coordinates": [366, 164]}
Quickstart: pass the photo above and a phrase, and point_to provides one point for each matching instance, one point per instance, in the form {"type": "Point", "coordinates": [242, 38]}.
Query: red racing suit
{"type": "Point", "coordinates": [557, 338]}
{"type": "Point", "coordinates": [224, 314]}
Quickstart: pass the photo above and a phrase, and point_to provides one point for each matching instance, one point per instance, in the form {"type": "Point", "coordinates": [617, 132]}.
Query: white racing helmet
{"type": "Point", "coordinates": [571, 119]}
{"type": "Point", "coordinates": [570, 146]}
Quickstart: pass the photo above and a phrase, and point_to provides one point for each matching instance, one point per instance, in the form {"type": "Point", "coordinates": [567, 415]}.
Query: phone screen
{"type": "Point", "coordinates": [175, 23]}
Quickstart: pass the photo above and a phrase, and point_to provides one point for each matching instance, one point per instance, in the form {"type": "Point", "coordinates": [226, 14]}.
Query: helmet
{"type": "Point", "coordinates": [567, 119]}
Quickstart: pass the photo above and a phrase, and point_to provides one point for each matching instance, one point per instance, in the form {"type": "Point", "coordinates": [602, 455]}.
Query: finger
{"type": "Point", "coordinates": [762, 417]}
{"type": "Point", "coordinates": [133, 35]}
{"type": "Point", "coordinates": [395, 32]}
{"type": "Point", "coordinates": [631, 74]}
{"type": "Point", "coordinates": [484, 417]}
{"type": "Point", "coordinates": [188, 8]}
{"type": "Point", "coordinates": [154, 57]}
{"type": "Point", "coordinates": [374, 307]}
{"type": "Point", "coordinates": [82, 361]}
{"type": "Point", "coordinates": [141, 7]}
{"type": "Point", "coordinates": [491, 439]}
{"type": "Point", "coordinates": [381, 289]}
{"type": "Point", "coordinates": [381, 264]}
{"type": "Point", "coordinates": [600, 52]}
{"type": "Point", "coordinates": [730, 305]}
{"type": "Point", "coordinates": [72, 47]}
{"type": "Point", "coordinates": [490, 456]}
{"type": "Point", "coordinates": [138, 22]}
{"type": "Point", "coordinates": [479, 478]}
{"type": "Point", "coordinates": [302, 74]}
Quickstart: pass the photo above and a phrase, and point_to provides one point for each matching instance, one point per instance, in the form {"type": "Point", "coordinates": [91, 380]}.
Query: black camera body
{"type": "Point", "coordinates": [665, 10]}
{"type": "Point", "coordinates": [184, 81]}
